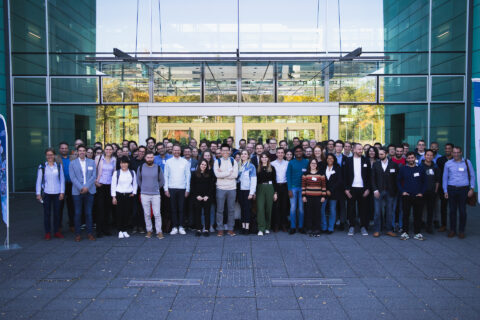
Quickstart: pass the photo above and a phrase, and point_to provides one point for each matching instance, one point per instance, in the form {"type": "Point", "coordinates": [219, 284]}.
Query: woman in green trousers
{"type": "Point", "coordinates": [266, 194]}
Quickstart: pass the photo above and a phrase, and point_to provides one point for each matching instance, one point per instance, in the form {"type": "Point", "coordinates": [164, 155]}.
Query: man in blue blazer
{"type": "Point", "coordinates": [83, 175]}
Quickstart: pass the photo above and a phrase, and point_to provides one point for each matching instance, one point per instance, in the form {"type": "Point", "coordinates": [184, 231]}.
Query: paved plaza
{"type": "Point", "coordinates": [278, 276]}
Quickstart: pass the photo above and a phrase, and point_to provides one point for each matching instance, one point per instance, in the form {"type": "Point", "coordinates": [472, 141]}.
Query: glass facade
{"type": "Point", "coordinates": [409, 83]}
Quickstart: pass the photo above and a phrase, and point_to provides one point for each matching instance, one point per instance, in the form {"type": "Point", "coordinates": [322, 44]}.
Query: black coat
{"type": "Point", "coordinates": [385, 180]}
{"type": "Point", "coordinates": [335, 184]}
{"type": "Point", "coordinates": [202, 186]}
{"type": "Point", "coordinates": [349, 175]}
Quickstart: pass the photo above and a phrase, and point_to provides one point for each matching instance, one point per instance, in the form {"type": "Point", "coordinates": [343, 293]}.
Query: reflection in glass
{"type": "Point", "coordinates": [29, 90]}
{"type": "Point", "coordinates": [449, 125]}
{"type": "Point", "coordinates": [116, 123]}
{"type": "Point", "coordinates": [362, 123]}
{"type": "Point", "coordinates": [220, 82]}
{"type": "Point", "coordinates": [257, 82]}
{"type": "Point", "coordinates": [125, 82]}
{"type": "Point", "coordinates": [212, 135]}
{"type": "Point", "coordinates": [302, 134]}
{"type": "Point", "coordinates": [177, 82]}
{"type": "Point", "coordinates": [400, 89]}
{"type": "Point", "coordinates": [74, 89]}
{"type": "Point", "coordinates": [405, 123]}
{"type": "Point", "coordinates": [70, 122]}
{"type": "Point", "coordinates": [349, 89]}
{"type": "Point", "coordinates": [447, 88]}
{"type": "Point", "coordinates": [301, 82]}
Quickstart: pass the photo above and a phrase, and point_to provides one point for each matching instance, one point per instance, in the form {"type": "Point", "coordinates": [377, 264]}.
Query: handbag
{"type": "Point", "coordinates": [471, 201]}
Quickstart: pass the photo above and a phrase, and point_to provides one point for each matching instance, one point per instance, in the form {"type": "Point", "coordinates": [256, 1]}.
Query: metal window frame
{"type": "Point", "coordinates": [74, 77]}
{"type": "Point", "coordinates": [448, 101]}
{"type": "Point", "coordinates": [28, 102]}
{"type": "Point", "coordinates": [405, 76]}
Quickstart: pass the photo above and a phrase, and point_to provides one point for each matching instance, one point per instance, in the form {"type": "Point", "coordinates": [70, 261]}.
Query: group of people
{"type": "Point", "coordinates": [312, 188]}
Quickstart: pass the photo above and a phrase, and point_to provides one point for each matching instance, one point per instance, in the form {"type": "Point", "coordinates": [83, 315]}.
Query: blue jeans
{"type": "Point", "coordinates": [294, 201]}
{"type": "Point", "coordinates": [48, 201]}
{"type": "Point", "coordinates": [384, 201]}
{"type": "Point", "coordinates": [85, 200]}
{"type": "Point", "coordinates": [332, 209]}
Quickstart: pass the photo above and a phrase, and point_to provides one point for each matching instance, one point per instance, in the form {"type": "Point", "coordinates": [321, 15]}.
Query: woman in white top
{"type": "Point", "coordinates": [51, 181]}
{"type": "Point", "coordinates": [123, 191]}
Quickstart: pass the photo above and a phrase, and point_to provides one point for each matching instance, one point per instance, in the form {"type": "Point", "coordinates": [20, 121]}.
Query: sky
{"type": "Point", "coordinates": [265, 25]}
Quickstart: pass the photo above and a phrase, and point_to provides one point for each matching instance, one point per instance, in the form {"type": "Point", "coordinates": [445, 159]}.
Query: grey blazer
{"type": "Point", "coordinates": [76, 175]}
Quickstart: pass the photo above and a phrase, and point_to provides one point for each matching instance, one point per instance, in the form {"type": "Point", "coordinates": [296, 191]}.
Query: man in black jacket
{"type": "Point", "coordinates": [357, 188]}
{"type": "Point", "coordinates": [384, 187]}
{"type": "Point", "coordinates": [441, 193]}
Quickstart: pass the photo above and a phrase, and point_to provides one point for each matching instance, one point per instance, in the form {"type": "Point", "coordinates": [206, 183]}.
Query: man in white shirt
{"type": "Point", "coordinates": [357, 188]}
{"type": "Point", "coordinates": [281, 206]}
{"type": "Point", "coordinates": [177, 187]}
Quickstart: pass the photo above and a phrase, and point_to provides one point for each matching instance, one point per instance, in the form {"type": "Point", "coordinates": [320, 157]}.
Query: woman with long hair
{"type": "Point", "coordinates": [314, 192]}
{"type": "Point", "coordinates": [333, 173]}
{"type": "Point", "coordinates": [202, 187]}
{"type": "Point", "coordinates": [247, 178]}
{"type": "Point", "coordinates": [207, 155]}
{"type": "Point", "coordinates": [266, 193]}
{"type": "Point", "coordinates": [319, 155]}
{"type": "Point", "coordinates": [106, 165]}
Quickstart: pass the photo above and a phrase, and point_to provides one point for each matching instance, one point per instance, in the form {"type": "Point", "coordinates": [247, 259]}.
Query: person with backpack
{"type": "Point", "coordinates": [123, 191]}
{"type": "Point", "coordinates": [50, 181]}
{"type": "Point", "coordinates": [150, 179]}
{"type": "Point", "coordinates": [226, 171]}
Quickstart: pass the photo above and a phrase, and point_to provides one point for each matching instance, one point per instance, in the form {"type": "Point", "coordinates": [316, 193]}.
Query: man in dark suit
{"type": "Point", "coordinates": [357, 188]}
{"type": "Point", "coordinates": [384, 187]}
{"type": "Point", "coordinates": [258, 153]}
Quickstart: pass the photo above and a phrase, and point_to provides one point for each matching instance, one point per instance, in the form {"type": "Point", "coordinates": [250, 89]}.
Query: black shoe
{"type": "Point", "coordinates": [99, 235]}
{"type": "Point", "coordinates": [292, 231]}
{"type": "Point", "coordinates": [329, 232]}
{"type": "Point", "coordinates": [302, 231]}
{"type": "Point", "coordinates": [206, 234]}
{"type": "Point", "coordinates": [341, 227]}
{"type": "Point", "coordinates": [198, 233]}
{"type": "Point", "coordinates": [107, 233]}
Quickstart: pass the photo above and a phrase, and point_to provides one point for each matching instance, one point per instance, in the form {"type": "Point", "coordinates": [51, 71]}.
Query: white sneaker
{"type": "Point", "coordinates": [419, 236]}
{"type": "Point", "coordinates": [351, 231]}
{"type": "Point", "coordinates": [174, 231]}
{"type": "Point", "coordinates": [181, 230]}
{"type": "Point", "coordinates": [267, 231]}
{"type": "Point", "coordinates": [404, 236]}
{"type": "Point", "coordinates": [120, 235]}
{"type": "Point", "coordinates": [204, 230]}
{"type": "Point", "coordinates": [260, 233]}
{"type": "Point", "coordinates": [126, 235]}
{"type": "Point", "coordinates": [364, 231]}
{"type": "Point", "coordinates": [212, 229]}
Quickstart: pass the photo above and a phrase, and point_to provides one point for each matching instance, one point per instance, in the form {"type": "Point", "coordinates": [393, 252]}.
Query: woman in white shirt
{"type": "Point", "coordinates": [123, 191]}
{"type": "Point", "coordinates": [51, 181]}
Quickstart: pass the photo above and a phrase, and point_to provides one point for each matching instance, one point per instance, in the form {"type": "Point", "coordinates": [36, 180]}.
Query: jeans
{"type": "Point", "coordinates": [294, 201]}
{"type": "Point", "coordinates": [398, 204]}
{"type": "Point", "coordinates": [332, 209]}
{"type": "Point", "coordinates": [457, 198]}
{"type": "Point", "coordinates": [417, 204]}
{"type": "Point", "coordinates": [48, 201]}
{"type": "Point", "coordinates": [152, 200]}
{"type": "Point", "coordinates": [385, 201]}
{"type": "Point", "coordinates": [177, 202]}
{"type": "Point", "coordinates": [86, 200]}
{"type": "Point", "coordinates": [245, 205]}
{"type": "Point", "coordinates": [222, 197]}
{"type": "Point", "coordinates": [70, 207]}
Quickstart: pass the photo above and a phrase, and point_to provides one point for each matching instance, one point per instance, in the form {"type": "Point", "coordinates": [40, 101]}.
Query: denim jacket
{"type": "Point", "coordinates": [247, 177]}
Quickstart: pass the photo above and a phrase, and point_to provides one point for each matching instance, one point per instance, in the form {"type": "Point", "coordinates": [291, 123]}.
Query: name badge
{"type": "Point", "coordinates": [269, 182]}
{"type": "Point", "coordinates": [416, 161]}
{"type": "Point", "coordinates": [461, 169]}
{"type": "Point", "coordinates": [314, 179]}
{"type": "Point", "coordinates": [55, 171]}
{"type": "Point", "coordinates": [430, 171]}
{"type": "Point", "coordinates": [364, 165]}
{"type": "Point", "coordinates": [333, 171]}
{"type": "Point", "coordinates": [416, 174]}
{"type": "Point", "coordinates": [90, 168]}
{"type": "Point", "coordinates": [163, 161]}
{"type": "Point", "coordinates": [193, 169]}
{"type": "Point", "coordinates": [304, 170]}
{"type": "Point", "coordinates": [392, 170]}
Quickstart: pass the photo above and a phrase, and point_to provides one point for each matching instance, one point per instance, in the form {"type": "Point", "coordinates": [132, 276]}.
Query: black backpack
{"type": "Point", "coordinates": [131, 172]}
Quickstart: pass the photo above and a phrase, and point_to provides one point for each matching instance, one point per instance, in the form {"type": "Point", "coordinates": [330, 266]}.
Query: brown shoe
{"type": "Point", "coordinates": [461, 235]}
{"type": "Point", "coordinates": [78, 238]}
{"type": "Point", "coordinates": [91, 237]}
{"type": "Point", "coordinates": [451, 234]}
{"type": "Point", "coordinates": [149, 234]}
{"type": "Point", "coordinates": [160, 235]}
{"type": "Point", "coordinates": [442, 229]}
{"type": "Point", "coordinates": [231, 233]}
{"type": "Point", "coordinates": [220, 233]}
{"type": "Point", "coordinates": [391, 234]}
{"type": "Point", "coordinates": [376, 234]}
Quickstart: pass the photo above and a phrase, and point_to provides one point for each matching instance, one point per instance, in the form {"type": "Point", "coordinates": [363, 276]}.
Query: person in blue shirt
{"type": "Point", "coordinates": [162, 156]}
{"type": "Point", "coordinates": [411, 185]}
{"type": "Point", "coordinates": [296, 168]}
{"type": "Point", "coordinates": [50, 181]}
{"type": "Point", "coordinates": [458, 184]}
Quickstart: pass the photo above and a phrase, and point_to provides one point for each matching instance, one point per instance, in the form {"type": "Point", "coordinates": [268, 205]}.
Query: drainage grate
{"type": "Point", "coordinates": [307, 282]}
{"type": "Point", "coordinates": [164, 282]}
{"type": "Point", "coordinates": [237, 260]}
